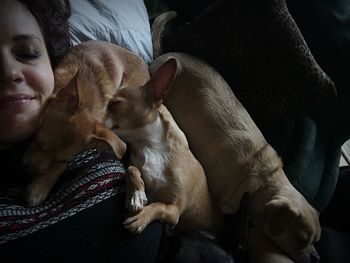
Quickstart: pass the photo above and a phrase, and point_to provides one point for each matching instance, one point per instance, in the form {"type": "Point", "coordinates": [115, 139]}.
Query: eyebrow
{"type": "Point", "coordinates": [27, 37]}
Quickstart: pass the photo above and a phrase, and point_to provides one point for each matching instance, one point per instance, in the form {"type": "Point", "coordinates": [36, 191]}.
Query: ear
{"type": "Point", "coordinates": [162, 80]}
{"type": "Point", "coordinates": [104, 135]}
{"type": "Point", "coordinates": [279, 214]}
{"type": "Point", "coordinates": [68, 96]}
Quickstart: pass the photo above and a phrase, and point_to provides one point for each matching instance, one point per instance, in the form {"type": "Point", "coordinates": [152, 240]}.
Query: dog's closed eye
{"type": "Point", "coordinates": [302, 240]}
{"type": "Point", "coordinates": [114, 104]}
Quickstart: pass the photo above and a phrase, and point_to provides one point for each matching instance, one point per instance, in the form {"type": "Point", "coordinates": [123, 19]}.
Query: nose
{"type": "Point", "coordinates": [10, 69]}
{"type": "Point", "coordinates": [308, 257]}
{"type": "Point", "coordinates": [314, 256]}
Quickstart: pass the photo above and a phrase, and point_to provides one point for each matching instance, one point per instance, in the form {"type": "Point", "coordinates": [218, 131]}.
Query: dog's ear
{"type": "Point", "coordinates": [103, 135]}
{"type": "Point", "coordinates": [162, 80]}
{"type": "Point", "coordinates": [72, 97]}
{"type": "Point", "coordinates": [64, 72]}
{"type": "Point", "coordinates": [68, 96]}
{"type": "Point", "coordinates": [279, 214]}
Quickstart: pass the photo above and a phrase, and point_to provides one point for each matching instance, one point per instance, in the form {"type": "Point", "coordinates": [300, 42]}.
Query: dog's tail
{"type": "Point", "coordinates": [157, 30]}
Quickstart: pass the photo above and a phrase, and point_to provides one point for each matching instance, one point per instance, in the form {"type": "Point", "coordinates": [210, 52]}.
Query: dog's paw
{"type": "Point", "coordinates": [137, 201]}
{"type": "Point", "coordinates": [34, 195]}
{"type": "Point", "coordinates": [137, 223]}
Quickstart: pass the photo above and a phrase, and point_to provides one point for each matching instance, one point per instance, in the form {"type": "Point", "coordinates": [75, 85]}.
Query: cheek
{"type": "Point", "coordinates": [43, 82]}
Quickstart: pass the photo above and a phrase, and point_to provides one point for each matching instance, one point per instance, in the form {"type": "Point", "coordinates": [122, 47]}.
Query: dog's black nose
{"type": "Point", "coordinates": [308, 257]}
{"type": "Point", "coordinates": [315, 258]}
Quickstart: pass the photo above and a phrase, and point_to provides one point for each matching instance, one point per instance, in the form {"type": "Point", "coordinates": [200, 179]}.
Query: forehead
{"type": "Point", "coordinates": [16, 19]}
{"type": "Point", "coordinates": [130, 92]}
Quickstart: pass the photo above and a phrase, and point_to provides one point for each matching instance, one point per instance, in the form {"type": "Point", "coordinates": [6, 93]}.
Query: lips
{"type": "Point", "coordinates": [15, 100]}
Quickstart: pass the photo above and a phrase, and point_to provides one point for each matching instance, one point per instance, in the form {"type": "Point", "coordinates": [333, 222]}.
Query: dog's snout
{"type": "Point", "coordinates": [308, 257]}
{"type": "Point", "coordinates": [314, 256]}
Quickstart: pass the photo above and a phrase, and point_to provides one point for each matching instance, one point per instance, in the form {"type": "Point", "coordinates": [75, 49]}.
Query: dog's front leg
{"type": "Point", "coordinates": [40, 187]}
{"type": "Point", "coordinates": [154, 211]}
{"type": "Point", "coordinates": [135, 190]}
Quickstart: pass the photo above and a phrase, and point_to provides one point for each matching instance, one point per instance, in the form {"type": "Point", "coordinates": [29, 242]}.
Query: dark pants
{"type": "Point", "coordinates": [334, 245]}
{"type": "Point", "coordinates": [95, 235]}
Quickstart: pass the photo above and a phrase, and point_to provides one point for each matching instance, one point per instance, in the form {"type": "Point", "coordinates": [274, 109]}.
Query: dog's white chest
{"type": "Point", "coordinates": [149, 152]}
{"type": "Point", "coordinates": [153, 163]}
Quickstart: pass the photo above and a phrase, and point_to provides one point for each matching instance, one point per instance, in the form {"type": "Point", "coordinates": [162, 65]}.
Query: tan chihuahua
{"type": "Point", "coordinates": [237, 158]}
{"type": "Point", "coordinates": [162, 163]}
{"type": "Point", "coordinates": [86, 79]}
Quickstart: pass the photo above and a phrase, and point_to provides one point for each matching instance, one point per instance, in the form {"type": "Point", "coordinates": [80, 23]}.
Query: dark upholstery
{"type": "Point", "coordinates": [308, 135]}
{"type": "Point", "coordinates": [309, 138]}
{"type": "Point", "coordinates": [259, 50]}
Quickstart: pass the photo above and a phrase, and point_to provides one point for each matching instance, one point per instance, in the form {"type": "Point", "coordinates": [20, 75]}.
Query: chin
{"type": "Point", "coordinates": [18, 131]}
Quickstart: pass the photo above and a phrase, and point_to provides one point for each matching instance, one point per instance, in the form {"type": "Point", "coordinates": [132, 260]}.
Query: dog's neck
{"type": "Point", "coordinates": [149, 150]}
{"type": "Point", "coordinates": [150, 135]}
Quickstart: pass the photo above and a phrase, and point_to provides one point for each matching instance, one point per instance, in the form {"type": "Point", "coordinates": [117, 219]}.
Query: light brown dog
{"type": "Point", "coordinates": [162, 163]}
{"type": "Point", "coordinates": [237, 158]}
{"type": "Point", "coordinates": [72, 121]}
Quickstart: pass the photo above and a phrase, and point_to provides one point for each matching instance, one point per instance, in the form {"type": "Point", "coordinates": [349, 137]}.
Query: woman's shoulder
{"type": "Point", "coordinates": [90, 178]}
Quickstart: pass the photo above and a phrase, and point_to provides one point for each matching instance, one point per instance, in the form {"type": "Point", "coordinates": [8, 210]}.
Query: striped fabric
{"type": "Point", "coordinates": [90, 178]}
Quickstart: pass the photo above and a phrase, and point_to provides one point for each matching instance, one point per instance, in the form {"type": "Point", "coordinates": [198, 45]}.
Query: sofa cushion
{"type": "Point", "coordinates": [258, 48]}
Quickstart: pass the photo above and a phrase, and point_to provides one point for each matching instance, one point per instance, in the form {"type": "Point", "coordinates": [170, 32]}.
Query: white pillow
{"type": "Point", "coordinates": [124, 22]}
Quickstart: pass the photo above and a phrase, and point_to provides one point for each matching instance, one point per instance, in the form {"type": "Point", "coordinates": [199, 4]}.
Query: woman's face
{"type": "Point", "coordinates": [26, 77]}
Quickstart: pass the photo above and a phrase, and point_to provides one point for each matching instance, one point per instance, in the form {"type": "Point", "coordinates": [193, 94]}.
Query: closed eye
{"type": "Point", "coordinates": [27, 48]}
{"type": "Point", "coordinates": [28, 55]}
{"type": "Point", "coordinates": [302, 241]}
{"type": "Point", "coordinates": [114, 105]}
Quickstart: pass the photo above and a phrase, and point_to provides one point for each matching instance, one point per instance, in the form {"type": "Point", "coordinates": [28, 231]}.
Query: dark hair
{"type": "Point", "coordinates": [52, 17]}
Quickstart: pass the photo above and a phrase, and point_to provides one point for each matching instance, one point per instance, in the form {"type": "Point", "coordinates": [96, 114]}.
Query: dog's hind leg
{"type": "Point", "coordinates": [155, 211]}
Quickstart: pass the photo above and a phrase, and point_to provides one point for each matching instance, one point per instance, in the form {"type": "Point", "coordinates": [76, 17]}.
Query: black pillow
{"type": "Point", "coordinates": [260, 51]}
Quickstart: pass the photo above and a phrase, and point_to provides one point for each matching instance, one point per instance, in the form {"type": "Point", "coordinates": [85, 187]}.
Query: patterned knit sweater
{"type": "Point", "coordinates": [80, 221]}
